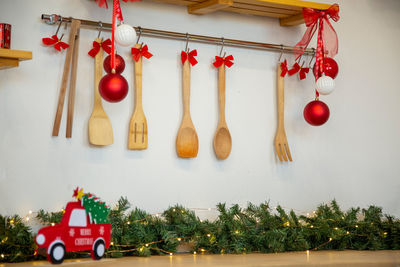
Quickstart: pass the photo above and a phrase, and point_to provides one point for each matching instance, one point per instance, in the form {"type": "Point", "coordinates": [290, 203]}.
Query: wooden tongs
{"type": "Point", "coordinates": [71, 63]}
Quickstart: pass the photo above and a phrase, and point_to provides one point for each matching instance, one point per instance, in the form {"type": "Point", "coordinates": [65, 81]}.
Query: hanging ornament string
{"type": "Point", "coordinates": [327, 41]}
{"type": "Point", "coordinates": [103, 3]}
{"type": "Point", "coordinates": [115, 2]}
{"type": "Point", "coordinates": [327, 35]}
{"type": "Point", "coordinates": [227, 61]}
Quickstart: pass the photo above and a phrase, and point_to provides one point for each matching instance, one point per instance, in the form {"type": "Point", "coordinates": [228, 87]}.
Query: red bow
{"type": "Point", "coordinates": [295, 68]}
{"type": "Point", "coordinates": [303, 72]}
{"type": "Point", "coordinates": [139, 52]}
{"type": "Point", "coordinates": [284, 68]}
{"type": "Point", "coordinates": [189, 56]}
{"type": "Point", "coordinates": [56, 42]}
{"type": "Point", "coordinates": [96, 47]}
{"type": "Point", "coordinates": [223, 60]}
{"type": "Point", "coordinates": [327, 37]}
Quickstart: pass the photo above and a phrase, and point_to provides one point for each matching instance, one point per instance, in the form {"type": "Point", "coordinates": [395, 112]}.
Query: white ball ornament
{"type": "Point", "coordinates": [125, 35]}
{"type": "Point", "coordinates": [325, 85]}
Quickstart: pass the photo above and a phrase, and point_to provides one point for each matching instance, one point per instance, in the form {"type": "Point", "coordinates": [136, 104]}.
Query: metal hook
{"type": "Point", "coordinates": [281, 53]}
{"type": "Point", "coordinates": [187, 42]}
{"type": "Point", "coordinates": [140, 33]}
{"type": "Point", "coordinates": [101, 28]}
{"type": "Point", "coordinates": [313, 55]}
{"type": "Point", "coordinates": [222, 46]}
{"type": "Point", "coordinates": [58, 28]}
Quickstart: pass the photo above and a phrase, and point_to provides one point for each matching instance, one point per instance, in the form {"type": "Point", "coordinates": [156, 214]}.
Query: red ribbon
{"type": "Point", "coordinates": [303, 73]}
{"type": "Point", "coordinates": [58, 45]}
{"type": "Point", "coordinates": [103, 3]}
{"type": "Point", "coordinates": [141, 52]}
{"type": "Point", "coordinates": [284, 68]}
{"type": "Point", "coordinates": [328, 35]}
{"type": "Point", "coordinates": [189, 56]}
{"type": "Point", "coordinates": [295, 68]}
{"type": "Point", "coordinates": [227, 61]}
{"type": "Point", "coordinates": [96, 47]}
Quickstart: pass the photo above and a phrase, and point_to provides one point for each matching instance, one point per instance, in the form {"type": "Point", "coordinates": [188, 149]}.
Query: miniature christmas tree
{"type": "Point", "coordinates": [96, 209]}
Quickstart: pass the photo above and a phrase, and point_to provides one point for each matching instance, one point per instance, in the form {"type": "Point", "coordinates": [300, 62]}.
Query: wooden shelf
{"type": "Point", "coordinates": [10, 58]}
{"type": "Point", "coordinates": [289, 12]}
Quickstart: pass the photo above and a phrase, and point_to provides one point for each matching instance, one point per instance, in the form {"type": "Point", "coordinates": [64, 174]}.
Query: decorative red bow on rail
{"type": "Point", "coordinates": [58, 45]}
{"type": "Point", "coordinates": [226, 60]}
{"type": "Point", "coordinates": [189, 56]}
{"type": "Point", "coordinates": [139, 52]}
{"type": "Point", "coordinates": [303, 73]}
{"type": "Point", "coordinates": [96, 47]}
{"type": "Point", "coordinates": [326, 33]}
{"type": "Point", "coordinates": [284, 68]}
{"type": "Point", "coordinates": [295, 68]}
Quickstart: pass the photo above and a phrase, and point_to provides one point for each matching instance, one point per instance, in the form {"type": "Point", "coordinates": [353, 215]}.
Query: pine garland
{"type": "Point", "coordinates": [236, 230]}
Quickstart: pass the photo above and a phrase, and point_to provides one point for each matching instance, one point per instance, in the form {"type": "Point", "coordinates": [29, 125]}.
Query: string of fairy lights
{"type": "Point", "coordinates": [147, 245]}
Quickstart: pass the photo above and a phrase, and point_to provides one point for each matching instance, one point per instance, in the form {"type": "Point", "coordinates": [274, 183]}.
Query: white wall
{"type": "Point", "coordinates": [353, 157]}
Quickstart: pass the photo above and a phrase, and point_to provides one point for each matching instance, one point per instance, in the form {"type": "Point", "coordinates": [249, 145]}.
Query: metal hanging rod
{"type": "Point", "coordinates": [52, 19]}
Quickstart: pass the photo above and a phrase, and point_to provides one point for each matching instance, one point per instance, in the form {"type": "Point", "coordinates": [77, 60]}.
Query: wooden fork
{"type": "Point", "coordinates": [281, 143]}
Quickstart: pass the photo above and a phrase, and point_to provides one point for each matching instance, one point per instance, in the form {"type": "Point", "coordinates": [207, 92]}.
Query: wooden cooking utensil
{"type": "Point", "coordinates": [137, 137]}
{"type": "Point", "coordinates": [187, 142]}
{"type": "Point", "coordinates": [222, 138]}
{"type": "Point", "coordinates": [100, 129]}
{"type": "Point", "coordinates": [67, 66]}
{"type": "Point", "coordinates": [72, 85]}
{"type": "Point", "coordinates": [281, 143]}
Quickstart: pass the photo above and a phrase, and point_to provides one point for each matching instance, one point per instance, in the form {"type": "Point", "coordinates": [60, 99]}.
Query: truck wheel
{"type": "Point", "coordinates": [98, 250]}
{"type": "Point", "coordinates": [57, 254]}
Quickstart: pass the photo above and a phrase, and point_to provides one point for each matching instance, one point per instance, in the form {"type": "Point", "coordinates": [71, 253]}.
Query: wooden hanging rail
{"type": "Point", "coordinates": [289, 12]}
{"type": "Point", "coordinates": [53, 19]}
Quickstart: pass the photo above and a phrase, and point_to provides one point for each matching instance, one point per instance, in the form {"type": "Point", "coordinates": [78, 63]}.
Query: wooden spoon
{"type": "Point", "coordinates": [222, 138]}
{"type": "Point", "coordinates": [187, 142]}
{"type": "Point", "coordinates": [137, 138]}
{"type": "Point", "coordinates": [100, 129]}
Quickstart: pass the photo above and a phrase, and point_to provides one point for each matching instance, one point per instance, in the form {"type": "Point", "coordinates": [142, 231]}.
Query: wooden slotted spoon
{"type": "Point", "coordinates": [137, 137]}
{"type": "Point", "coordinates": [281, 143]}
{"type": "Point", "coordinates": [187, 142]}
{"type": "Point", "coordinates": [222, 138]}
{"type": "Point", "coordinates": [100, 129]}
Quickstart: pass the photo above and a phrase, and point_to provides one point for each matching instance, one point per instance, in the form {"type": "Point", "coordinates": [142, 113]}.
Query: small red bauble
{"type": "Point", "coordinates": [316, 113]}
{"type": "Point", "coordinates": [113, 87]}
{"type": "Point", "coordinates": [119, 64]}
{"type": "Point", "coordinates": [331, 68]}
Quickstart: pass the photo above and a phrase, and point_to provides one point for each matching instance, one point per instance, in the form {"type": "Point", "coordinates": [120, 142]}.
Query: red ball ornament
{"type": "Point", "coordinates": [119, 64]}
{"type": "Point", "coordinates": [316, 113]}
{"type": "Point", "coordinates": [113, 87]}
{"type": "Point", "coordinates": [331, 68]}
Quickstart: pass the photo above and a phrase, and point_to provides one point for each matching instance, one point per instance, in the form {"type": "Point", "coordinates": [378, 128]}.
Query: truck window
{"type": "Point", "coordinates": [78, 218]}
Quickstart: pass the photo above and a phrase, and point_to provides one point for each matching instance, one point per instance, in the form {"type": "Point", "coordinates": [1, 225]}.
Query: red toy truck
{"type": "Point", "coordinates": [74, 233]}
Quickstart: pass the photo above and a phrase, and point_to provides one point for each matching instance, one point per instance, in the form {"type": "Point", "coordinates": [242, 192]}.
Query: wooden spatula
{"type": "Point", "coordinates": [187, 142]}
{"type": "Point", "coordinates": [222, 138]}
{"type": "Point", "coordinates": [137, 138]}
{"type": "Point", "coordinates": [100, 129]}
